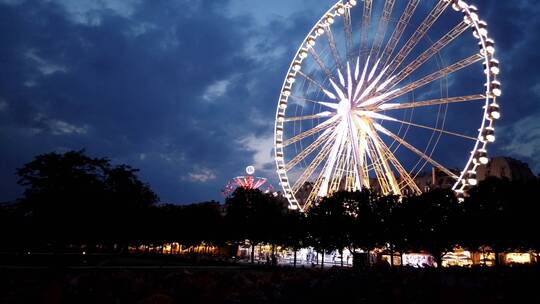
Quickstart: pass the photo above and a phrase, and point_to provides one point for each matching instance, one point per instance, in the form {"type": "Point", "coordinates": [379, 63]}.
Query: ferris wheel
{"type": "Point", "coordinates": [380, 92]}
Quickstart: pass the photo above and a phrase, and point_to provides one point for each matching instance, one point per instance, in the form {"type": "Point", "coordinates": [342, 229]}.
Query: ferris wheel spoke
{"type": "Point", "coordinates": [370, 88]}
{"type": "Point", "coordinates": [351, 181]}
{"type": "Point", "coordinates": [415, 150]}
{"type": "Point", "coordinates": [364, 31]}
{"type": "Point", "coordinates": [348, 33]}
{"type": "Point", "coordinates": [308, 172]}
{"type": "Point", "coordinates": [376, 167]}
{"type": "Point", "coordinates": [332, 162]}
{"type": "Point", "coordinates": [315, 190]}
{"type": "Point", "coordinates": [427, 103]}
{"type": "Point", "coordinates": [339, 172]}
{"type": "Point", "coordinates": [379, 166]}
{"type": "Point", "coordinates": [429, 53]}
{"type": "Point", "coordinates": [385, 176]}
{"type": "Point", "coordinates": [336, 172]}
{"type": "Point", "coordinates": [388, 118]}
{"type": "Point", "coordinates": [382, 28]}
{"type": "Point", "coordinates": [310, 117]}
{"type": "Point", "coordinates": [358, 147]}
{"type": "Point", "coordinates": [360, 84]}
{"type": "Point", "coordinates": [321, 185]}
{"type": "Point", "coordinates": [321, 63]}
{"type": "Point", "coordinates": [310, 79]}
{"type": "Point", "coordinates": [330, 123]}
{"type": "Point", "coordinates": [405, 176]}
{"type": "Point", "coordinates": [400, 29]}
{"type": "Point", "coordinates": [330, 105]}
{"type": "Point", "coordinates": [308, 150]}
{"type": "Point", "coordinates": [387, 172]}
{"type": "Point", "coordinates": [420, 32]}
{"type": "Point", "coordinates": [333, 47]}
{"type": "Point", "coordinates": [432, 77]}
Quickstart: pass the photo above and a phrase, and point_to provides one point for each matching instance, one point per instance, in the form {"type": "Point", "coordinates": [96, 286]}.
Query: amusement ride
{"type": "Point", "coordinates": [381, 91]}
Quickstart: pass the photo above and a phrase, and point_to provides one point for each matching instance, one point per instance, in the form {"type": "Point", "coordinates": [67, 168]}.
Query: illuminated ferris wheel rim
{"type": "Point", "coordinates": [491, 112]}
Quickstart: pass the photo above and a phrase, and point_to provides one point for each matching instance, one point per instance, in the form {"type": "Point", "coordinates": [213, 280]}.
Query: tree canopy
{"type": "Point", "coordinates": [71, 198]}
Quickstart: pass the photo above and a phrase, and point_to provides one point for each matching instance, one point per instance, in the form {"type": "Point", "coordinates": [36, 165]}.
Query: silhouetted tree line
{"type": "Point", "coordinates": [72, 199]}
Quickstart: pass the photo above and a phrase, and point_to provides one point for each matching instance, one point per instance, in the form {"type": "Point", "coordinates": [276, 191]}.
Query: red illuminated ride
{"type": "Point", "coordinates": [249, 181]}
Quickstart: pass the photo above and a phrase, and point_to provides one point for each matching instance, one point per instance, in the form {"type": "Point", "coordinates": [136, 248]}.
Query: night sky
{"type": "Point", "coordinates": [186, 90]}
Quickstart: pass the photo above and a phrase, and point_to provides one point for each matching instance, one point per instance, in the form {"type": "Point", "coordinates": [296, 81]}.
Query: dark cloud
{"type": "Point", "coordinates": [138, 88]}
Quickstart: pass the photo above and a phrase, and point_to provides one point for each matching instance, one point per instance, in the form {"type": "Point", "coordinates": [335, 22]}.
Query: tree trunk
{"type": "Point", "coordinates": [341, 257]}
{"type": "Point", "coordinates": [294, 261]}
{"type": "Point", "coordinates": [322, 259]}
{"type": "Point", "coordinates": [438, 259]}
{"type": "Point", "coordinates": [497, 261]}
{"type": "Point", "coordinates": [252, 253]}
{"type": "Point", "coordinates": [274, 260]}
{"type": "Point", "coordinates": [392, 255]}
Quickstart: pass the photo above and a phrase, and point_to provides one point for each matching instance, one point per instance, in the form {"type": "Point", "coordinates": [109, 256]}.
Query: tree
{"type": "Point", "coordinates": [76, 199]}
{"type": "Point", "coordinates": [359, 222]}
{"type": "Point", "coordinates": [501, 215]}
{"type": "Point", "coordinates": [327, 221]}
{"type": "Point", "coordinates": [388, 225]}
{"type": "Point", "coordinates": [295, 233]}
{"type": "Point", "coordinates": [254, 216]}
{"type": "Point", "coordinates": [432, 221]}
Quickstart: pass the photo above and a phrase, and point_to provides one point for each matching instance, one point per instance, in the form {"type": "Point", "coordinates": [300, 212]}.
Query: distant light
{"type": "Point", "coordinates": [471, 178]}
{"type": "Point", "coordinates": [494, 111]}
{"type": "Point", "coordinates": [488, 135]}
{"type": "Point", "coordinates": [330, 20]}
{"type": "Point", "coordinates": [291, 79]}
{"type": "Point", "coordinates": [482, 157]}
{"type": "Point", "coordinates": [484, 160]}
{"type": "Point", "coordinates": [287, 92]}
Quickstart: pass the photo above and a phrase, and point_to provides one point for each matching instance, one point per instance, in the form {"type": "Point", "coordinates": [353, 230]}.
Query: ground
{"type": "Point", "coordinates": [205, 283]}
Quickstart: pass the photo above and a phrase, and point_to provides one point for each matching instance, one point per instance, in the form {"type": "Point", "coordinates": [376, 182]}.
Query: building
{"type": "Point", "coordinates": [505, 167]}
{"type": "Point", "coordinates": [501, 167]}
